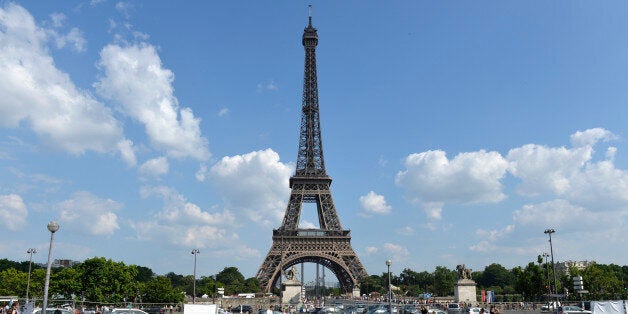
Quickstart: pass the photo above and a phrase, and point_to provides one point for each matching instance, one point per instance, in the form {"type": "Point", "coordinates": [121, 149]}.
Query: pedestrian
{"type": "Point", "coordinates": [14, 309]}
{"type": "Point", "coordinates": [423, 310]}
{"type": "Point", "coordinates": [270, 310]}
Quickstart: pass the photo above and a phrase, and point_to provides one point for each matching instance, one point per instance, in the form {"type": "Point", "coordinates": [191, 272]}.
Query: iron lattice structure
{"type": "Point", "coordinates": [329, 245]}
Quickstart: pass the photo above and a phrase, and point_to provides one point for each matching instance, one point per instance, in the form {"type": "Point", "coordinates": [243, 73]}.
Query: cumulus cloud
{"type": "Point", "coordinates": [74, 38]}
{"type": "Point", "coordinates": [563, 173]}
{"type": "Point", "coordinates": [407, 231]}
{"type": "Point", "coordinates": [223, 112]}
{"type": "Point", "coordinates": [431, 179]}
{"type": "Point", "coordinates": [571, 173]}
{"type": "Point", "coordinates": [591, 136]}
{"type": "Point", "coordinates": [371, 249]}
{"type": "Point", "coordinates": [564, 215]}
{"type": "Point", "coordinates": [183, 222]}
{"type": "Point", "coordinates": [255, 183]}
{"type": "Point", "coordinates": [397, 252]}
{"type": "Point", "coordinates": [495, 234]}
{"type": "Point", "coordinates": [155, 167]}
{"type": "Point", "coordinates": [36, 94]}
{"type": "Point", "coordinates": [89, 214]}
{"type": "Point", "coordinates": [136, 80]}
{"type": "Point", "coordinates": [267, 86]}
{"type": "Point", "coordinates": [373, 203]}
{"type": "Point", "coordinates": [13, 212]}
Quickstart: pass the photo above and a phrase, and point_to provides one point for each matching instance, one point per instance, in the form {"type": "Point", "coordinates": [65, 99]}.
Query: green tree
{"type": "Point", "coordinates": [444, 280]}
{"type": "Point", "coordinates": [495, 275]}
{"type": "Point", "coordinates": [160, 290]}
{"type": "Point", "coordinates": [529, 281]}
{"type": "Point", "coordinates": [232, 279]}
{"type": "Point", "coordinates": [252, 285]}
{"type": "Point", "coordinates": [601, 281]}
{"type": "Point", "coordinates": [104, 280]}
{"type": "Point", "coordinates": [66, 282]}
{"type": "Point", "coordinates": [372, 283]}
{"type": "Point", "coordinates": [144, 274]}
{"type": "Point", "coordinates": [13, 282]}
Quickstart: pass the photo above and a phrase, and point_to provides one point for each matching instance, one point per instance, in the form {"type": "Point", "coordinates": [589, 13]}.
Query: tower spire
{"type": "Point", "coordinates": [309, 13]}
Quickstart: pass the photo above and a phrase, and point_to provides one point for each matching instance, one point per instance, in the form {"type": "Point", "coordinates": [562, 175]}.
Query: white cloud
{"type": "Point", "coordinates": [267, 86]}
{"type": "Point", "coordinates": [495, 234]}
{"type": "Point", "coordinates": [135, 78]}
{"type": "Point", "coordinates": [373, 203]}
{"type": "Point", "coordinates": [89, 214]}
{"type": "Point", "coordinates": [223, 112]}
{"type": "Point", "coordinates": [431, 179]}
{"type": "Point", "coordinates": [407, 231]}
{"type": "Point", "coordinates": [57, 19]}
{"type": "Point", "coordinates": [201, 174]}
{"type": "Point", "coordinates": [13, 212]}
{"type": "Point", "coordinates": [591, 136]}
{"type": "Point", "coordinates": [255, 183]}
{"type": "Point", "coordinates": [571, 174]}
{"type": "Point", "coordinates": [155, 167]}
{"type": "Point", "coordinates": [556, 213]}
{"type": "Point", "coordinates": [545, 169]}
{"type": "Point", "coordinates": [396, 252]}
{"type": "Point", "coordinates": [74, 37]}
{"type": "Point", "coordinates": [183, 222]}
{"type": "Point", "coordinates": [371, 249]}
{"type": "Point", "coordinates": [36, 94]}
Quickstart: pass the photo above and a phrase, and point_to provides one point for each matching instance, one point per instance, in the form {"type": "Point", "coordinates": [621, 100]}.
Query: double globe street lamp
{"type": "Point", "coordinates": [549, 232]}
{"type": "Point", "coordinates": [388, 263]}
{"type": "Point", "coordinates": [194, 252]}
{"type": "Point", "coordinates": [52, 227]}
{"type": "Point", "coordinates": [30, 251]}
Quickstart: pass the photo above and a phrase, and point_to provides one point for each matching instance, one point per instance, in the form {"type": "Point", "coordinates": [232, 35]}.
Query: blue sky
{"type": "Point", "coordinates": [455, 132]}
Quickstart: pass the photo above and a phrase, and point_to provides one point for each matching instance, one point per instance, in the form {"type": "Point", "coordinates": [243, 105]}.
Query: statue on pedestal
{"type": "Point", "coordinates": [291, 274]}
{"type": "Point", "coordinates": [463, 272]}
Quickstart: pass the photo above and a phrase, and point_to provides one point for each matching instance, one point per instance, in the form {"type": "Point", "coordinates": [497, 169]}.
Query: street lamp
{"type": "Point", "coordinates": [388, 263]}
{"type": "Point", "coordinates": [30, 251]}
{"type": "Point", "coordinates": [548, 277]}
{"type": "Point", "coordinates": [52, 227]}
{"type": "Point", "coordinates": [549, 232]}
{"type": "Point", "coordinates": [194, 252]}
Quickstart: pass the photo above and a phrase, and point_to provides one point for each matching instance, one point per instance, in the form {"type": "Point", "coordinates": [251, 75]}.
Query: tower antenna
{"type": "Point", "coordinates": [309, 13]}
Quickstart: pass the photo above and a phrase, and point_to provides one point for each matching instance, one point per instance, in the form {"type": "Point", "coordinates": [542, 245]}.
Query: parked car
{"type": "Point", "coordinates": [126, 311]}
{"type": "Point", "coordinates": [473, 310]}
{"type": "Point", "coordinates": [154, 310]}
{"type": "Point", "coordinates": [569, 309]}
{"type": "Point", "coordinates": [453, 308]}
{"type": "Point", "coordinates": [53, 311]}
{"type": "Point", "coordinates": [550, 306]}
{"type": "Point", "coordinates": [242, 309]}
{"type": "Point", "coordinates": [435, 311]}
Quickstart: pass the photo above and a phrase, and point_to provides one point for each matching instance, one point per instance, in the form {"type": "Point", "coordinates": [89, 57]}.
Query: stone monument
{"type": "Point", "coordinates": [291, 288]}
{"type": "Point", "coordinates": [464, 288]}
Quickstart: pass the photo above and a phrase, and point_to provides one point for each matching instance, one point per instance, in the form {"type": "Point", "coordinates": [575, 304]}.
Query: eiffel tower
{"type": "Point", "coordinates": [330, 244]}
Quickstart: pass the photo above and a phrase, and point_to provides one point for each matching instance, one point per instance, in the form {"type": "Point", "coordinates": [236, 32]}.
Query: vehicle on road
{"type": "Point", "coordinates": [569, 309]}
{"type": "Point", "coordinates": [435, 311]}
{"type": "Point", "coordinates": [473, 310]}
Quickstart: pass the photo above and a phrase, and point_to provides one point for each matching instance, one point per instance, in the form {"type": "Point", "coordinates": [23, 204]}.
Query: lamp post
{"type": "Point", "coordinates": [549, 232]}
{"type": "Point", "coordinates": [52, 227]}
{"type": "Point", "coordinates": [548, 277]}
{"type": "Point", "coordinates": [30, 251]}
{"type": "Point", "coordinates": [388, 263]}
{"type": "Point", "coordinates": [194, 252]}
